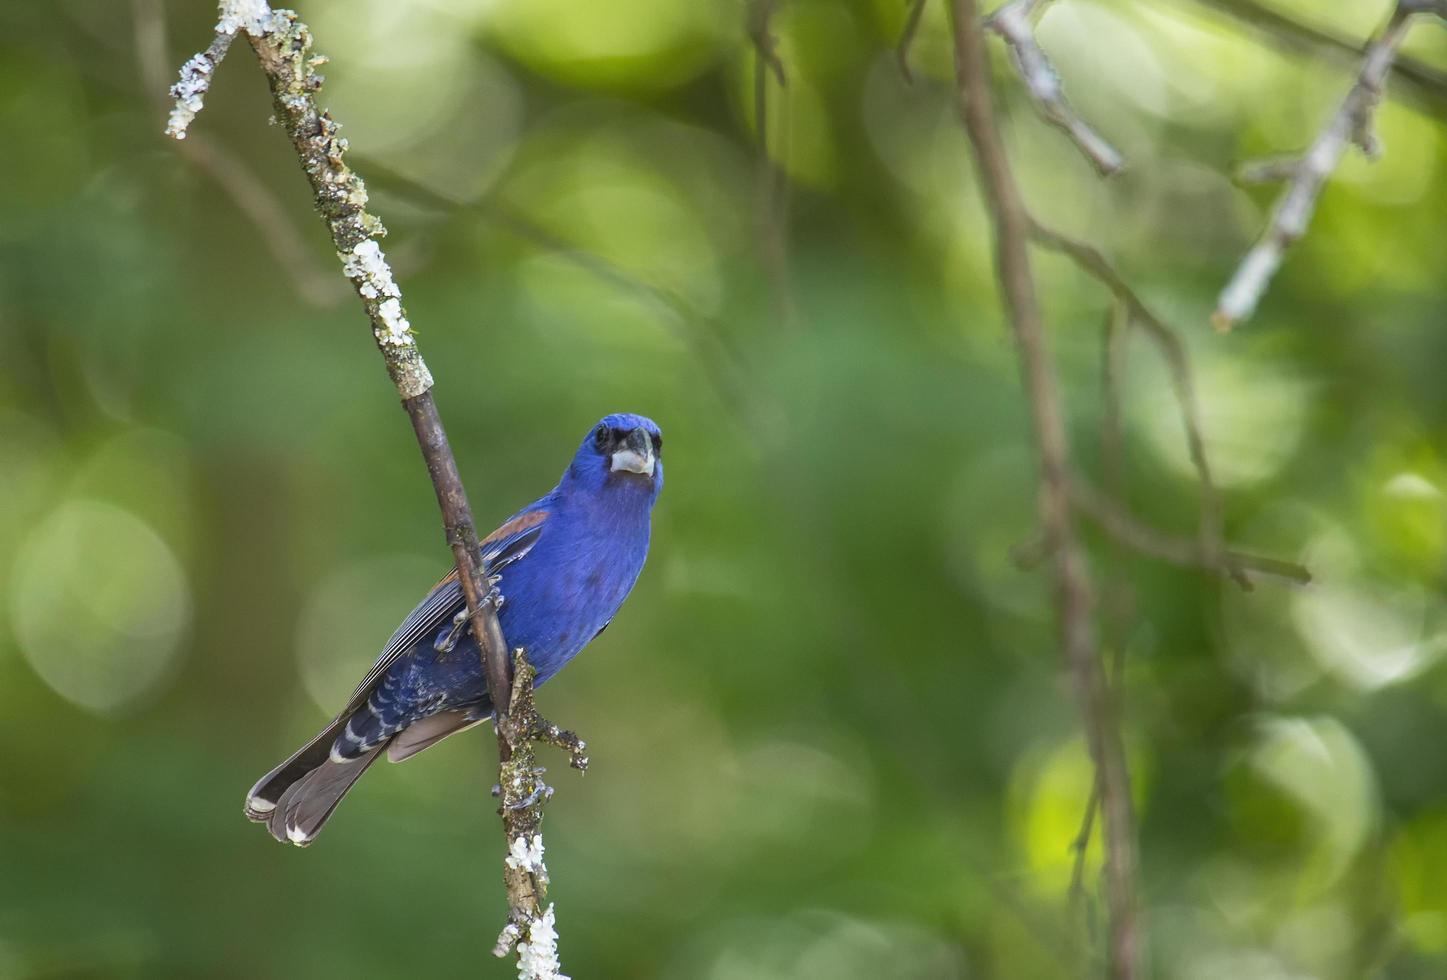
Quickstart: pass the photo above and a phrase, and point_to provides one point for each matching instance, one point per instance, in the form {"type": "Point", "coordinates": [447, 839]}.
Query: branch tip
{"type": "Point", "coordinates": [1012, 22]}
{"type": "Point", "coordinates": [1351, 124]}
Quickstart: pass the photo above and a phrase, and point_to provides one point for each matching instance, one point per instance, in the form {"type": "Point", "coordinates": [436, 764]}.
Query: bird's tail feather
{"type": "Point", "coordinates": [429, 731]}
{"type": "Point", "coordinates": [295, 799]}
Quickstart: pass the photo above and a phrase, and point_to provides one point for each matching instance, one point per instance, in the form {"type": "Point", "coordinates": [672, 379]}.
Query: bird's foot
{"type": "Point", "coordinates": [541, 793]}
{"type": "Point", "coordinates": [524, 723]}
{"type": "Point", "coordinates": [542, 730]}
{"type": "Point", "coordinates": [459, 622]}
{"type": "Point", "coordinates": [522, 789]}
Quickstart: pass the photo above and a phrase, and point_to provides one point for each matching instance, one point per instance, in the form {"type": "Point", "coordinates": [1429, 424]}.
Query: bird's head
{"type": "Point", "coordinates": [623, 452]}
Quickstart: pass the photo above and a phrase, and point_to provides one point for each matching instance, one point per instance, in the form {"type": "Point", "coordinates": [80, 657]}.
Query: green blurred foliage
{"type": "Point", "coordinates": [831, 735]}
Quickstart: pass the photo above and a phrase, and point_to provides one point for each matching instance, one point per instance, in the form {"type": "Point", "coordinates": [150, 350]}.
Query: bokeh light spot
{"type": "Point", "coordinates": [1320, 765]}
{"type": "Point", "coordinates": [818, 943]}
{"type": "Point", "coordinates": [628, 44]}
{"type": "Point", "coordinates": [1368, 633]}
{"type": "Point", "coordinates": [1253, 417]}
{"type": "Point", "coordinates": [99, 604]}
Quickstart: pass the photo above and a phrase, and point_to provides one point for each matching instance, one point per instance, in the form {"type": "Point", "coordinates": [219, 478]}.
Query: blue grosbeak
{"type": "Point", "coordinates": [563, 565]}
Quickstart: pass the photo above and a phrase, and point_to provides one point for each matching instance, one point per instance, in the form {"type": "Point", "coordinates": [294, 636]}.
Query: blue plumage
{"type": "Point", "coordinates": [564, 564]}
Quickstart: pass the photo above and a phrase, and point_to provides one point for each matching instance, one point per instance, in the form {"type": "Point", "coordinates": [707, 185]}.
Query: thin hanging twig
{"type": "Point", "coordinates": [1013, 22]}
{"type": "Point", "coordinates": [1073, 591]}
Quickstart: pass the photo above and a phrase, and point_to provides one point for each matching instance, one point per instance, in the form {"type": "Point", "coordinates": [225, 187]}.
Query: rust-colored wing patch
{"type": "Point", "coordinates": [519, 524]}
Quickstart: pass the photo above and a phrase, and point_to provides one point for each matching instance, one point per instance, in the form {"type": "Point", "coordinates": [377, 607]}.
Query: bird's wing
{"type": "Point", "coordinates": [509, 543]}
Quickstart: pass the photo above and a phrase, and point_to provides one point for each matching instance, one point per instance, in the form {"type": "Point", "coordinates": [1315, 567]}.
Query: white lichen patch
{"type": "Point", "coordinates": [190, 94]}
{"type": "Point", "coordinates": [256, 18]}
{"type": "Point", "coordinates": [538, 957]}
{"type": "Point", "coordinates": [526, 854]}
{"type": "Point", "coordinates": [395, 329]}
{"type": "Point", "coordinates": [366, 266]}
{"type": "Point", "coordinates": [251, 16]}
{"type": "Point", "coordinates": [506, 940]}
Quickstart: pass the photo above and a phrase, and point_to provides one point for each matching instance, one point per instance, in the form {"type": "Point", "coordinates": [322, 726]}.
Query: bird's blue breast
{"type": "Point", "coordinates": [560, 597]}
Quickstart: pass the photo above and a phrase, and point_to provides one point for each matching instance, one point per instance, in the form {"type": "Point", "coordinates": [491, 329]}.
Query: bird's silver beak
{"type": "Point", "coordinates": [635, 455]}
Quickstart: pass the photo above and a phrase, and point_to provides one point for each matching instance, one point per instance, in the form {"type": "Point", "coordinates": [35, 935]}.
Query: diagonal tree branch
{"type": "Point", "coordinates": [1351, 123]}
{"type": "Point", "coordinates": [283, 48]}
{"type": "Point", "coordinates": [1012, 21]}
{"type": "Point", "coordinates": [1073, 591]}
{"type": "Point", "coordinates": [1423, 84]}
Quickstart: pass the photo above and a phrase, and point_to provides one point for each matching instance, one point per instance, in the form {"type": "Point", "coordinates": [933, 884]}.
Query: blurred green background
{"type": "Point", "coordinates": [830, 732]}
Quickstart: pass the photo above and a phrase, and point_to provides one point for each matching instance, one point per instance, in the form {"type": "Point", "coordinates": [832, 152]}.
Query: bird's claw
{"type": "Point", "coordinates": [543, 730]}
{"type": "Point", "coordinates": [494, 597]}
{"type": "Point", "coordinates": [459, 623]}
{"type": "Point", "coordinates": [540, 794]}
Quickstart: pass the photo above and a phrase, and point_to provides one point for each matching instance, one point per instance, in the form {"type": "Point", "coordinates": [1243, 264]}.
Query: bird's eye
{"type": "Point", "coordinates": [657, 445]}
{"type": "Point", "coordinates": [602, 436]}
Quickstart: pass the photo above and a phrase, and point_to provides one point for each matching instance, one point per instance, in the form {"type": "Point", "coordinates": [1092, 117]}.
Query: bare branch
{"type": "Point", "coordinates": [1081, 844]}
{"type": "Point", "coordinates": [771, 183]}
{"type": "Point", "coordinates": [1073, 592]}
{"type": "Point", "coordinates": [1352, 123]}
{"type": "Point", "coordinates": [1012, 22]}
{"type": "Point", "coordinates": [522, 794]}
{"type": "Point", "coordinates": [1112, 383]}
{"type": "Point", "coordinates": [1173, 350]}
{"type": "Point", "coordinates": [1115, 598]}
{"type": "Point", "coordinates": [283, 47]}
{"type": "Point", "coordinates": [906, 38]}
{"type": "Point", "coordinates": [1423, 84]}
{"type": "Point", "coordinates": [1268, 171]}
{"type": "Point", "coordinates": [760, 13]}
{"type": "Point", "coordinates": [1130, 532]}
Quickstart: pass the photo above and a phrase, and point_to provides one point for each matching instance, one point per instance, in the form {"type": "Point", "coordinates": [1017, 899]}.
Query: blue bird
{"type": "Point", "coordinates": [563, 565]}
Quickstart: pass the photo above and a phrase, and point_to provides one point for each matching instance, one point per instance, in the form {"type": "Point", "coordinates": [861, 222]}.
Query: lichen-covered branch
{"type": "Point", "coordinates": [284, 50]}
{"type": "Point", "coordinates": [283, 47]}
{"type": "Point", "coordinates": [195, 81]}
{"type": "Point", "coordinates": [238, 181]}
{"type": "Point", "coordinates": [1072, 586]}
{"type": "Point", "coordinates": [531, 927]}
{"type": "Point", "coordinates": [1013, 23]}
{"type": "Point", "coordinates": [1351, 123]}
